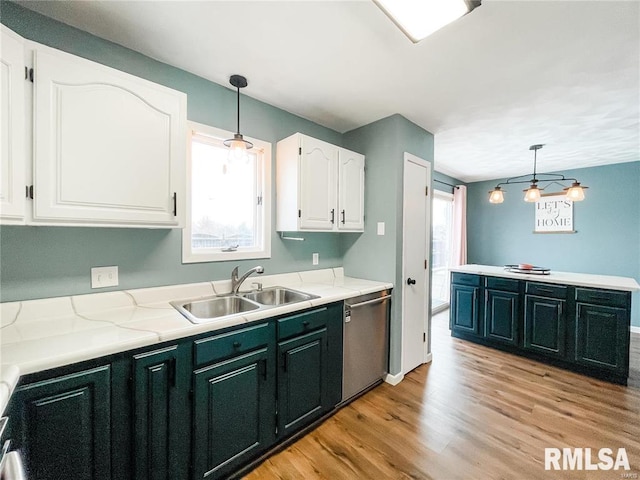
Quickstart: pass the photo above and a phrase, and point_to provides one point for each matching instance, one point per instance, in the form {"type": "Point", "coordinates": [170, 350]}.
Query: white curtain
{"type": "Point", "coordinates": [459, 250]}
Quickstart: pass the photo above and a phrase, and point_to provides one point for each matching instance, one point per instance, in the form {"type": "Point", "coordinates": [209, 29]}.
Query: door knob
{"type": "Point", "coordinates": [411, 281]}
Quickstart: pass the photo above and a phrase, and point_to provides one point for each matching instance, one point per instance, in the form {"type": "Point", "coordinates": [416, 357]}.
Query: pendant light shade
{"type": "Point", "coordinates": [237, 145]}
{"type": "Point", "coordinates": [575, 192]}
{"type": "Point", "coordinates": [532, 194]}
{"type": "Point", "coordinates": [496, 195]}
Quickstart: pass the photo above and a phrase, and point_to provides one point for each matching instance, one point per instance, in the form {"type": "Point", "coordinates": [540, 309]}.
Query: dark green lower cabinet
{"type": "Point", "coordinates": [233, 413]}
{"type": "Point", "coordinates": [201, 408]}
{"type": "Point", "coordinates": [465, 309]}
{"type": "Point", "coordinates": [501, 315]}
{"type": "Point", "coordinates": [302, 380]}
{"type": "Point", "coordinates": [545, 325]}
{"type": "Point", "coordinates": [161, 414]}
{"type": "Point", "coordinates": [64, 426]}
{"type": "Point", "coordinates": [600, 333]}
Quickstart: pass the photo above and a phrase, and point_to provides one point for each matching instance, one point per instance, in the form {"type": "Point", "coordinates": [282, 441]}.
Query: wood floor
{"type": "Point", "coordinates": [473, 413]}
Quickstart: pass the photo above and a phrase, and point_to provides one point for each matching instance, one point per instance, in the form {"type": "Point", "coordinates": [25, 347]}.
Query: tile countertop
{"type": "Point", "coordinates": [37, 335]}
{"type": "Point", "coordinates": [579, 279]}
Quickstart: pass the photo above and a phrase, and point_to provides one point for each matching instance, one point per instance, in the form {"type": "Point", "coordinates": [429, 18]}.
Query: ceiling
{"type": "Point", "coordinates": [508, 75]}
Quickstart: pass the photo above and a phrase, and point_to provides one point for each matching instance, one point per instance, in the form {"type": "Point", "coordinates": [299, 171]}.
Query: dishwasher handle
{"type": "Point", "coordinates": [368, 302]}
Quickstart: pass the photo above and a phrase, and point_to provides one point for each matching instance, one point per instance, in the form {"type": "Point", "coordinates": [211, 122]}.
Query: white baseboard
{"type": "Point", "coordinates": [635, 329]}
{"type": "Point", "coordinates": [429, 358]}
{"type": "Point", "coordinates": [394, 379]}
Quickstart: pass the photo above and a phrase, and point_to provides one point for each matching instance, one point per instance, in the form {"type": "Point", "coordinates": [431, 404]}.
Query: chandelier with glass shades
{"type": "Point", "coordinates": [575, 192]}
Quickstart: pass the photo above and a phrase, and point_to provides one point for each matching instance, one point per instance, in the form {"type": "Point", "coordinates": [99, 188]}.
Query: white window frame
{"type": "Point", "coordinates": [263, 219]}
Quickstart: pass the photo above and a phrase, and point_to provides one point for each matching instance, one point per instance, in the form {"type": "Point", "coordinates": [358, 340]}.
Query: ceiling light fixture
{"type": "Point", "coordinates": [575, 192]}
{"type": "Point", "coordinates": [420, 18]}
{"type": "Point", "coordinates": [237, 145]}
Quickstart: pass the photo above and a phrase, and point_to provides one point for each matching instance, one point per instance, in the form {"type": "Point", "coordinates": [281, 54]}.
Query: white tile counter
{"type": "Point", "coordinates": [37, 335]}
{"type": "Point", "coordinates": [578, 279]}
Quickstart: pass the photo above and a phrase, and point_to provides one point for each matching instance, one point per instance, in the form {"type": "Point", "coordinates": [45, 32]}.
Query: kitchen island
{"type": "Point", "coordinates": [576, 321]}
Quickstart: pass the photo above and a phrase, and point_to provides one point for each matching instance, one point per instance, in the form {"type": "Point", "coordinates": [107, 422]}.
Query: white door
{"type": "Point", "coordinates": [109, 147]}
{"type": "Point", "coordinates": [415, 253]}
{"type": "Point", "coordinates": [12, 125]}
{"type": "Point", "coordinates": [350, 191]}
{"type": "Point", "coordinates": [318, 184]}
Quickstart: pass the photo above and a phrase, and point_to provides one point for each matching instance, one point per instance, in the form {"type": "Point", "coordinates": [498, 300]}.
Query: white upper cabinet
{"type": "Point", "coordinates": [317, 184]}
{"type": "Point", "coordinates": [351, 191]}
{"type": "Point", "coordinates": [12, 125]}
{"type": "Point", "coordinates": [109, 148]}
{"type": "Point", "coordinates": [320, 186]}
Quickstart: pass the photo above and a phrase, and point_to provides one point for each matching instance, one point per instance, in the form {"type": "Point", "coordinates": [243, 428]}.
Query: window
{"type": "Point", "coordinates": [228, 199]}
{"type": "Point", "coordinates": [442, 242]}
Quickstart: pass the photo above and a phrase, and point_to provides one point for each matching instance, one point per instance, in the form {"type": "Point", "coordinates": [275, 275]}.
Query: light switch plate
{"type": "Point", "coordinates": [380, 228]}
{"type": "Point", "coordinates": [102, 277]}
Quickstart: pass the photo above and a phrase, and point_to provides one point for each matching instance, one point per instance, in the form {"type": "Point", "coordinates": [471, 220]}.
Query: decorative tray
{"type": "Point", "coordinates": [533, 270]}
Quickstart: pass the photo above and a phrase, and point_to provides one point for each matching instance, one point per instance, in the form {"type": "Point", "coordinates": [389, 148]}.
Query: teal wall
{"type": "Point", "coordinates": [607, 222]}
{"type": "Point", "coordinates": [369, 255]}
{"type": "Point", "coordinates": [54, 261]}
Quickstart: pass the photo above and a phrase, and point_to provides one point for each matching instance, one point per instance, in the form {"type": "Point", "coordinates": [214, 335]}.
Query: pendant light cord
{"type": "Point", "coordinates": [238, 129]}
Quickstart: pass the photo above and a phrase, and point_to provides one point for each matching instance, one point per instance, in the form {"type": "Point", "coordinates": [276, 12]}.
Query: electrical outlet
{"type": "Point", "coordinates": [380, 228]}
{"type": "Point", "coordinates": [316, 258]}
{"type": "Point", "coordinates": [102, 277]}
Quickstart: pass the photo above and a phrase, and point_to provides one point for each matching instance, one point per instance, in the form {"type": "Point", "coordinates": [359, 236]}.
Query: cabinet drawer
{"type": "Point", "coordinates": [506, 284]}
{"type": "Point", "coordinates": [230, 344]}
{"type": "Point", "coordinates": [546, 290]}
{"type": "Point", "coordinates": [302, 323]}
{"type": "Point", "coordinates": [602, 297]}
{"type": "Point", "coordinates": [465, 279]}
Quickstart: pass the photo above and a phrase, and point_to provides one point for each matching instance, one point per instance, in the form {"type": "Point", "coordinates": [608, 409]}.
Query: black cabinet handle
{"type": "Point", "coordinates": [411, 281]}
{"type": "Point", "coordinates": [343, 219]}
{"type": "Point", "coordinates": [333, 215]}
{"type": "Point", "coordinates": [237, 344]}
{"type": "Point", "coordinates": [305, 324]}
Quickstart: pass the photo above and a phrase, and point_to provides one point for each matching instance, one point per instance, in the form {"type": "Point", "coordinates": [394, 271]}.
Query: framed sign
{"type": "Point", "coordinates": [554, 214]}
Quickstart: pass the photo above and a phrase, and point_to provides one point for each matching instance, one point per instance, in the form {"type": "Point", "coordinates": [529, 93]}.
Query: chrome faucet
{"type": "Point", "coordinates": [236, 282]}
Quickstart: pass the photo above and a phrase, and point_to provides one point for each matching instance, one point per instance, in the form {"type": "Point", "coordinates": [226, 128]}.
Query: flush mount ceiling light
{"type": "Point", "coordinates": [238, 146]}
{"type": "Point", "coordinates": [574, 193]}
{"type": "Point", "coordinates": [420, 18]}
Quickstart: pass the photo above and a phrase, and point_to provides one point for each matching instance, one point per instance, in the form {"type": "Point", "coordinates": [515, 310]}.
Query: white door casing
{"type": "Point", "coordinates": [416, 220]}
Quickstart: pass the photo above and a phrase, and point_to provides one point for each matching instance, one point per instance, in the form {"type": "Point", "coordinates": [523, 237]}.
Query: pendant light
{"type": "Point", "coordinates": [575, 192]}
{"type": "Point", "coordinates": [237, 145]}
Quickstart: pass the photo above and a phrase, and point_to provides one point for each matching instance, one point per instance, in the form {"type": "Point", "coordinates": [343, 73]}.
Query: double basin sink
{"type": "Point", "coordinates": [214, 308]}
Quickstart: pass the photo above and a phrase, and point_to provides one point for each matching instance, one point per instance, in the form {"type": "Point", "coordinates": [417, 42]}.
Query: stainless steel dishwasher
{"type": "Point", "coordinates": [366, 342]}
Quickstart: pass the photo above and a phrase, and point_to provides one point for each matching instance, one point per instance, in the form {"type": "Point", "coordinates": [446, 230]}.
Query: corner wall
{"type": "Point", "coordinates": [369, 255]}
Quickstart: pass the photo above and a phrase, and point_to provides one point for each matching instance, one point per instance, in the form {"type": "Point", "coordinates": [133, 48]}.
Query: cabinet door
{"type": "Point", "coordinates": [109, 147]}
{"type": "Point", "coordinates": [350, 191]}
{"type": "Point", "coordinates": [233, 413]}
{"type": "Point", "coordinates": [12, 127]}
{"type": "Point", "coordinates": [160, 414]}
{"type": "Point", "coordinates": [602, 337]}
{"type": "Point", "coordinates": [465, 305]}
{"type": "Point", "coordinates": [318, 184]}
{"type": "Point", "coordinates": [65, 426]}
{"type": "Point", "coordinates": [544, 325]}
{"type": "Point", "coordinates": [501, 316]}
{"type": "Point", "coordinates": [302, 380]}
